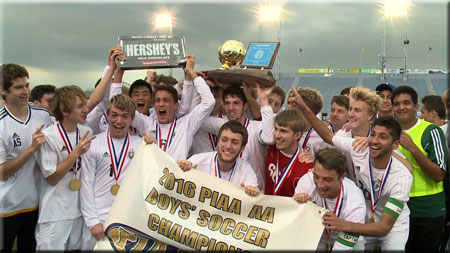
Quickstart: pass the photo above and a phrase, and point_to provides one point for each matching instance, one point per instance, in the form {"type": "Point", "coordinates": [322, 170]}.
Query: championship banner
{"type": "Point", "coordinates": [160, 207]}
{"type": "Point", "coordinates": [150, 52]}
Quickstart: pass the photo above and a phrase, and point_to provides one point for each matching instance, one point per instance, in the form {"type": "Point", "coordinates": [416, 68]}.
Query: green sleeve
{"type": "Point", "coordinates": [434, 143]}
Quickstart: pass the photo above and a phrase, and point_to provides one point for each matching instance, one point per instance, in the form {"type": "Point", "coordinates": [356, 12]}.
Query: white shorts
{"type": "Point", "coordinates": [59, 235]}
{"type": "Point", "coordinates": [394, 240]}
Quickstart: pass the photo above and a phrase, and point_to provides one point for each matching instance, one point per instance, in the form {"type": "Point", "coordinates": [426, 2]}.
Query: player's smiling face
{"type": "Point", "coordinates": [338, 115]}
{"type": "Point", "coordinates": [19, 92]}
{"type": "Point", "coordinates": [381, 142]}
{"type": "Point", "coordinates": [404, 108]}
{"type": "Point", "coordinates": [79, 111]}
{"type": "Point", "coordinates": [165, 107]}
{"type": "Point", "coordinates": [235, 108]}
{"type": "Point", "coordinates": [142, 99]}
{"type": "Point", "coordinates": [229, 146]}
{"type": "Point", "coordinates": [358, 114]}
{"type": "Point", "coordinates": [119, 122]}
{"type": "Point", "coordinates": [327, 181]}
{"type": "Point", "coordinates": [285, 138]}
{"type": "Point", "coordinates": [386, 105]}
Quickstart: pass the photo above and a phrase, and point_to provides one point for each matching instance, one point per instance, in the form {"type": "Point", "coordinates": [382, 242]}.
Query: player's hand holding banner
{"type": "Point", "coordinates": [160, 207]}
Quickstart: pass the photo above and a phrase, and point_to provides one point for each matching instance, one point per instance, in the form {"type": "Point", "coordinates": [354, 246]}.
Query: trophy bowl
{"type": "Point", "coordinates": [231, 53]}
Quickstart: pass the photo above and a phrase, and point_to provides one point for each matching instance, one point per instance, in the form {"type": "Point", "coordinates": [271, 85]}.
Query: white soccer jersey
{"type": "Point", "coordinates": [97, 176]}
{"type": "Point", "coordinates": [176, 137]}
{"type": "Point", "coordinates": [351, 173]}
{"type": "Point", "coordinates": [351, 207]}
{"type": "Point", "coordinates": [58, 202]}
{"type": "Point", "coordinates": [259, 134]}
{"type": "Point", "coordinates": [311, 141]}
{"type": "Point", "coordinates": [204, 141]}
{"type": "Point", "coordinates": [242, 172]}
{"type": "Point", "coordinates": [395, 192]}
{"type": "Point", "coordinates": [19, 193]}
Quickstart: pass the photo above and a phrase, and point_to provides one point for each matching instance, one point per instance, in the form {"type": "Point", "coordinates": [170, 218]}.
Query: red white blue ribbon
{"type": "Point", "coordinates": [307, 137]}
{"type": "Point", "coordinates": [170, 134]}
{"type": "Point", "coordinates": [118, 162]}
{"type": "Point", "coordinates": [373, 199]}
{"type": "Point", "coordinates": [280, 181]}
{"type": "Point", "coordinates": [66, 140]}
{"type": "Point", "coordinates": [217, 168]}
{"type": "Point", "coordinates": [337, 207]}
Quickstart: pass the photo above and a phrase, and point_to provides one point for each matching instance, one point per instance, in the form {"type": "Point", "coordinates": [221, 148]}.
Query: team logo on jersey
{"type": "Point", "coordinates": [153, 132]}
{"type": "Point", "coordinates": [63, 149]}
{"type": "Point", "coordinates": [16, 140]}
{"type": "Point", "coordinates": [124, 238]}
{"type": "Point", "coordinates": [131, 154]}
{"type": "Point", "coordinates": [105, 154]}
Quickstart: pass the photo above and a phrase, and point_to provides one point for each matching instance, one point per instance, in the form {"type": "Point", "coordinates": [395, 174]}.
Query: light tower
{"type": "Point", "coordinates": [163, 25]}
{"type": "Point", "coordinates": [271, 13]}
{"type": "Point", "coordinates": [392, 9]}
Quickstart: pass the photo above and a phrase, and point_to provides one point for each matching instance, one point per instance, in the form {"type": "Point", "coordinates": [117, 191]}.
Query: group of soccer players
{"type": "Point", "coordinates": [380, 171]}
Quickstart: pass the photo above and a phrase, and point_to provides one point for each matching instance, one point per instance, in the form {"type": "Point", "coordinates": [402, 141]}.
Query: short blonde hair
{"type": "Point", "coordinates": [370, 97]}
{"type": "Point", "coordinates": [122, 102]}
{"type": "Point", "coordinates": [64, 100]}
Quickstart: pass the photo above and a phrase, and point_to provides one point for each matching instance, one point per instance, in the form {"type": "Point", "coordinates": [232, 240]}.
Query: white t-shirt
{"type": "Point", "coordinates": [58, 202]}
{"type": "Point", "coordinates": [184, 128]}
{"type": "Point", "coordinates": [242, 172]}
{"type": "Point", "coordinates": [20, 192]}
{"type": "Point", "coordinates": [396, 187]}
{"type": "Point", "coordinates": [311, 141]}
{"type": "Point", "coordinates": [97, 177]}
{"type": "Point", "coordinates": [351, 205]}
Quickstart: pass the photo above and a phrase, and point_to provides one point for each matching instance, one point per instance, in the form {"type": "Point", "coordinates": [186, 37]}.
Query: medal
{"type": "Point", "coordinates": [75, 184]}
{"type": "Point", "coordinates": [115, 189]}
{"type": "Point", "coordinates": [287, 170]}
{"type": "Point", "coordinates": [117, 163]}
{"type": "Point", "coordinates": [170, 134]}
{"type": "Point", "coordinates": [374, 199]}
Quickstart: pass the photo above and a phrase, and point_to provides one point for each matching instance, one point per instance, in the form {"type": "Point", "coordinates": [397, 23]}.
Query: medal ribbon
{"type": "Point", "coordinates": [353, 166]}
{"type": "Point", "coordinates": [117, 164]}
{"type": "Point", "coordinates": [106, 117]}
{"type": "Point", "coordinates": [280, 181]}
{"type": "Point", "coordinates": [246, 122]}
{"type": "Point", "coordinates": [337, 207]}
{"type": "Point", "coordinates": [332, 128]}
{"type": "Point", "coordinates": [373, 200]}
{"type": "Point", "coordinates": [307, 137]}
{"type": "Point", "coordinates": [217, 168]}
{"type": "Point", "coordinates": [169, 134]}
{"type": "Point", "coordinates": [66, 140]}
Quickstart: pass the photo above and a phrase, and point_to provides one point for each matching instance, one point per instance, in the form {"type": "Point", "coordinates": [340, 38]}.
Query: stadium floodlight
{"type": "Point", "coordinates": [163, 21]}
{"type": "Point", "coordinates": [396, 8]}
{"type": "Point", "coordinates": [270, 12]}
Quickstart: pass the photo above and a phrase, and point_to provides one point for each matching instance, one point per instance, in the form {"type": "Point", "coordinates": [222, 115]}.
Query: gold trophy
{"type": "Point", "coordinates": [232, 53]}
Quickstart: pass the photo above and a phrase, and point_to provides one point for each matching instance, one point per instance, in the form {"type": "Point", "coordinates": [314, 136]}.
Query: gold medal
{"type": "Point", "coordinates": [372, 219]}
{"type": "Point", "coordinates": [75, 184]}
{"type": "Point", "coordinates": [115, 189]}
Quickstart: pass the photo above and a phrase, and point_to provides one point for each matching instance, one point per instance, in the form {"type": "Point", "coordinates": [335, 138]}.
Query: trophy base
{"type": "Point", "coordinates": [237, 76]}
